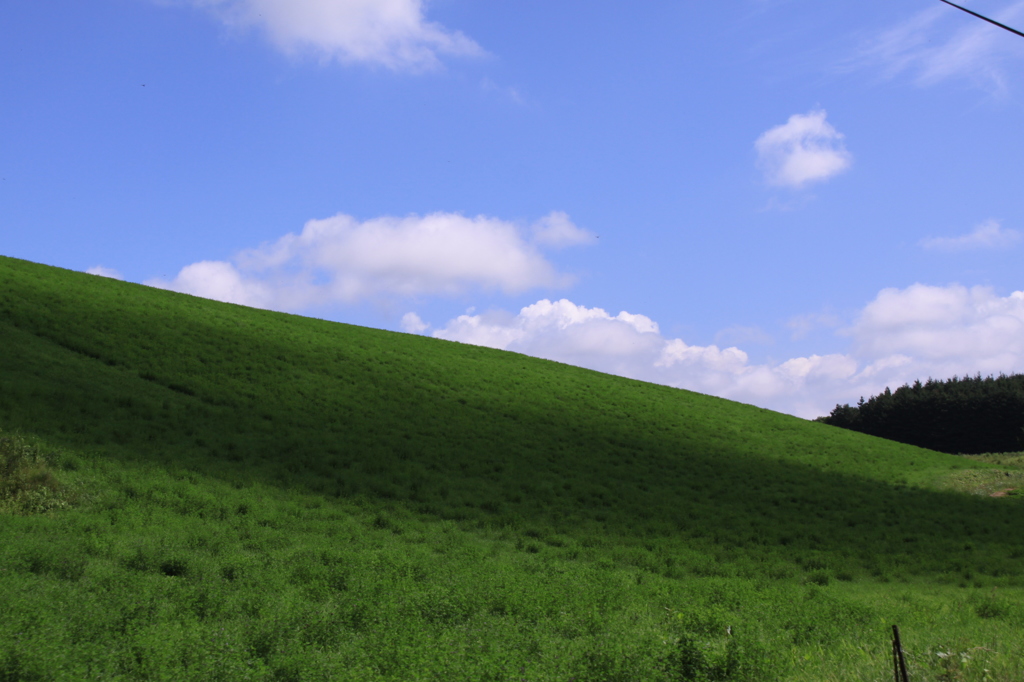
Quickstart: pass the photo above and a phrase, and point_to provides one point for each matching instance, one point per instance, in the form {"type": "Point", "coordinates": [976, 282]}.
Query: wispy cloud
{"type": "Point", "coordinates": [393, 33]}
{"type": "Point", "coordinates": [511, 93]}
{"type": "Point", "coordinates": [803, 150]}
{"type": "Point", "coordinates": [343, 260]}
{"type": "Point", "coordinates": [558, 231]}
{"type": "Point", "coordinates": [802, 325]}
{"type": "Point", "coordinates": [988, 235]}
{"type": "Point", "coordinates": [104, 272]}
{"type": "Point", "coordinates": [942, 43]}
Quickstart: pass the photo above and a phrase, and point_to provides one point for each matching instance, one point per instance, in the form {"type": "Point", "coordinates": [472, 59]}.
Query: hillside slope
{"type": "Point", "coordinates": [565, 463]}
{"type": "Point", "coordinates": [457, 430]}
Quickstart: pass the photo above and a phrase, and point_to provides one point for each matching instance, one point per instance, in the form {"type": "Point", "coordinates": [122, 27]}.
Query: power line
{"type": "Point", "coordinates": [991, 21]}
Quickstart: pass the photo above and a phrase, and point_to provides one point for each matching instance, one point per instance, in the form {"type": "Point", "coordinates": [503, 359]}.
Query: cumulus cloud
{"type": "Point", "coordinates": [805, 149]}
{"type": "Point", "coordinates": [902, 335]}
{"type": "Point", "coordinates": [222, 281]}
{"type": "Point", "coordinates": [563, 331]}
{"type": "Point", "coordinates": [413, 324]}
{"type": "Point", "coordinates": [104, 272]}
{"type": "Point", "coordinates": [989, 235]}
{"type": "Point", "coordinates": [343, 260]}
{"type": "Point", "coordinates": [393, 33]}
{"type": "Point", "coordinates": [942, 43]}
{"type": "Point", "coordinates": [951, 330]}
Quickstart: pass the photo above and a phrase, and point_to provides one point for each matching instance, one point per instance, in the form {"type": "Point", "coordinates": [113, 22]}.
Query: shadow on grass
{"type": "Point", "coordinates": [460, 432]}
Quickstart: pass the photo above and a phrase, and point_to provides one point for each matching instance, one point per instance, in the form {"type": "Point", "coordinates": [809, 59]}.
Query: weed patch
{"type": "Point", "coordinates": [29, 481]}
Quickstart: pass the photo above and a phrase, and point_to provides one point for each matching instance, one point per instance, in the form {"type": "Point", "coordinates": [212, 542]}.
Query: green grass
{"type": "Point", "coordinates": [250, 495]}
{"type": "Point", "coordinates": [1006, 479]}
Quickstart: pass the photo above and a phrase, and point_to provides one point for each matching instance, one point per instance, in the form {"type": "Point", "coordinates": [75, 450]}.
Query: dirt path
{"type": "Point", "coordinates": [1002, 493]}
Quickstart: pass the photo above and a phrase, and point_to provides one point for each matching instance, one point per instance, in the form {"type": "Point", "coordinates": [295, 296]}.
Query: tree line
{"type": "Point", "coordinates": [968, 415]}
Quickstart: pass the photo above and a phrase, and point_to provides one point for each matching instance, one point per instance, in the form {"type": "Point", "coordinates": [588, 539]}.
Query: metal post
{"type": "Point", "coordinates": [895, 663]}
{"type": "Point", "coordinates": [897, 652]}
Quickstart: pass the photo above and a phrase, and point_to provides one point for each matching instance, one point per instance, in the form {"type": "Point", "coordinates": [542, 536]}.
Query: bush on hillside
{"type": "Point", "coordinates": [27, 480]}
{"type": "Point", "coordinates": [969, 415]}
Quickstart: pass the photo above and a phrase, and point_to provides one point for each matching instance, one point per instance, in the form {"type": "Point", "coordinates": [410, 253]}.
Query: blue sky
{"type": "Point", "coordinates": [784, 202]}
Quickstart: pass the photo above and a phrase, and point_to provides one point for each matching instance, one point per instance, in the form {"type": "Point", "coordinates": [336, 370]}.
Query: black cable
{"type": "Point", "coordinates": [991, 21]}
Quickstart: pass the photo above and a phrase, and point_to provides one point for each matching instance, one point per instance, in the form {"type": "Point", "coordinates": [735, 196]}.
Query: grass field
{"type": "Point", "coordinates": [194, 490]}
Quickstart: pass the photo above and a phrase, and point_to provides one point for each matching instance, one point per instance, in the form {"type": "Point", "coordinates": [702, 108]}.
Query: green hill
{"type": "Point", "coordinates": [229, 493]}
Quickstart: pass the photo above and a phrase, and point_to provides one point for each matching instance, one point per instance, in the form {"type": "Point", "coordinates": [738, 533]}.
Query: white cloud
{"type": "Point", "coordinates": [222, 281]}
{"type": "Point", "coordinates": [804, 149]}
{"type": "Point", "coordinates": [902, 335]}
{"type": "Point", "coordinates": [563, 331]}
{"type": "Point", "coordinates": [393, 33]}
{"type": "Point", "coordinates": [989, 235]}
{"type": "Point", "coordinates": [104, 272]}
{"type": "Point", "coordinates": [941, 43]}
{"type": "Point", "coordinates": [412, 324]}
{"type": "Point", "coordinates": [557, 230]}
{"type": "Point", "coordinates": [342, 260]}
{"type": "Point", "coordinates": [951, 330]}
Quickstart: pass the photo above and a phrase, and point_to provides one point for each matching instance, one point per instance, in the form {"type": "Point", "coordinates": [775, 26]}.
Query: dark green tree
{"type": "Point", "coordinates": [968, 415]}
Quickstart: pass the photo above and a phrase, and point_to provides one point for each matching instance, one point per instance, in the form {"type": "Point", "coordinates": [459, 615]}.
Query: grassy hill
{"type": "Point", "coordinates": [196, 490]}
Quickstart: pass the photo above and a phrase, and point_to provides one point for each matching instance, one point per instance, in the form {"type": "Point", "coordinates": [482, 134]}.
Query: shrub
{"type": "Point", "coordinates": [28, 484]}
{"type": "Point", "coordinates": [738, 658]}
